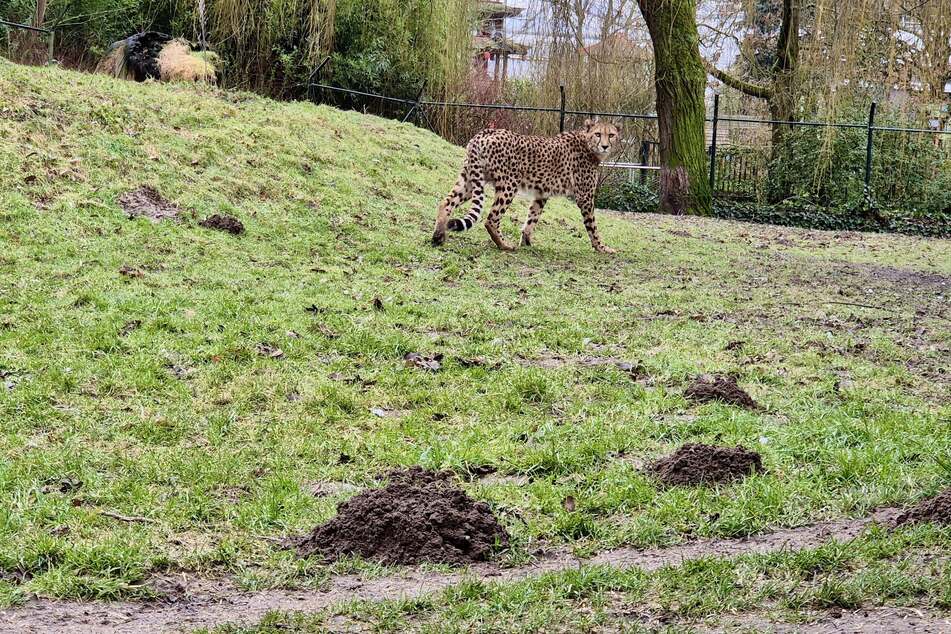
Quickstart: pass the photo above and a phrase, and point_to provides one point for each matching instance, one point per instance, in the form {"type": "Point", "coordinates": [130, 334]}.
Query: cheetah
{"type": "Point", "coordinates": [541, 167]}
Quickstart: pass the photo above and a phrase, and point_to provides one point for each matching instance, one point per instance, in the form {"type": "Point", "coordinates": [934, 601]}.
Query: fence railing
{"type": "Point", "coordinates": [10, 27]}
{"type": "Point", "coordinates": [727, 173]}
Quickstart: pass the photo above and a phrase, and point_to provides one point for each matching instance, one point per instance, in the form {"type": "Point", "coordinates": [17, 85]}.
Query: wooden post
{"type": "Point", "coordinates": [561, 117]}
{"type": "Point", "coordinates": [868, 151]}
{"type": "Point", "coordinates": [713, 143]}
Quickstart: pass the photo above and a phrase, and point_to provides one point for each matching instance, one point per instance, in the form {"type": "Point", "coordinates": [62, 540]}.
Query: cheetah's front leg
{"type": "Point", "coordinates": [587, 211]}
{"type": "Point", "coordinates": [533, 215]}
{"type": "Point", "coordinates": [504, 193]}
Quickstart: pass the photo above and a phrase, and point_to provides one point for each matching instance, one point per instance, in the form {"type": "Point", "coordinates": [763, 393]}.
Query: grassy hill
{"type": "Point", "coordinates": [171, 394]}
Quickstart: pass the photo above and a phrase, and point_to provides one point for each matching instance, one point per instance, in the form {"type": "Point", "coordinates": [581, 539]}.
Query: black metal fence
{"type": "Point", "coordinates": [23, 49]}
{"type": "Point", "coordinates": [732, 172]}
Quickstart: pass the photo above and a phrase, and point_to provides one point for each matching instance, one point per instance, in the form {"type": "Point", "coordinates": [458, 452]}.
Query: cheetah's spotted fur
{"type": "Point", "coordinates": [542, 167]}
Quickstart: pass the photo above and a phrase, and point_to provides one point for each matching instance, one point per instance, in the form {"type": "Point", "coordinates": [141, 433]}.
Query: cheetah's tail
{"type": "Point", "coordinates": [466, 222]}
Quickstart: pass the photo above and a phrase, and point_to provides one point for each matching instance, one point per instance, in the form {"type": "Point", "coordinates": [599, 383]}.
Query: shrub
{"type": "Point", "coordinates": [627, 195]}
{"type": "Point", "coordinates": [826, 166]}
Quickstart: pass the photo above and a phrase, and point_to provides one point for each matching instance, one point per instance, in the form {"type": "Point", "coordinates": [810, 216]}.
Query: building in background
{"type": "Point", "coordinates": [493, 46]}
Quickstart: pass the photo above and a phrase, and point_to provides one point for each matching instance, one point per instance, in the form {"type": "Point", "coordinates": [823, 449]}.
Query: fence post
{"type": "Point", "coordinates": [645, 156]}
{"type": "Point", "coordinates": [713, 143]}
{"type": "Point", "coordinates": [561, 119]}
{"type": "Point", "coordinates": [868, 151]}
{"type": "Point", "coordinates": [310, 80]}
{"type": "Point", "coordinates": [412, 109]}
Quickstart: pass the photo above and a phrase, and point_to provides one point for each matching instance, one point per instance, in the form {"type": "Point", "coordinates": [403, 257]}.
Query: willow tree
{"type": "Point", "coordinates": [780, 88]}
{"type": "Point", "coordinates": [680, 82]}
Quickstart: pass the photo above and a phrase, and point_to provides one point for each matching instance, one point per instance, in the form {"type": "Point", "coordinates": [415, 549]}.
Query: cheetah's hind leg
{"type": "Point", "coordinates": [461, 192]}
{"type": "Point", "coordinates": [475, 189]}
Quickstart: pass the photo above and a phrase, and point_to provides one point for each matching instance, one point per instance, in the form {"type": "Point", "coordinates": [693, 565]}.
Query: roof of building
{"type": "Point", "coordinates": [617, 45]}
{"type": "Point", "coordinates": [483, 44]}
{"type": "Point", "coordinates": [497, 9]}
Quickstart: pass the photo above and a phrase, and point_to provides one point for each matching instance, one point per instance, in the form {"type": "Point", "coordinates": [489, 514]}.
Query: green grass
{"type": "Point", "coordinates": [339, 208]}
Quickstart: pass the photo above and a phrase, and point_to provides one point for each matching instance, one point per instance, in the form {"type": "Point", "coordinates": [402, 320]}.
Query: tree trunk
{"type": "Point", "coordinates": [680, 80]}
{"type": "Point", "coordinates": [782, 92]}
{"type": "Point", "coordinates": [40, 16]}
{"type": "Point", "coordinates": [782, 102]}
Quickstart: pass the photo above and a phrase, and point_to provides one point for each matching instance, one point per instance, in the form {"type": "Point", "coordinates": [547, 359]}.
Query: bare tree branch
{"type": "Point", "coordinates": [746, 87]}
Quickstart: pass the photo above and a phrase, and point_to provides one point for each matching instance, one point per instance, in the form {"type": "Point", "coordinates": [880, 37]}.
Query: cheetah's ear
{"type": "Point", "coordinates": [588, 124]}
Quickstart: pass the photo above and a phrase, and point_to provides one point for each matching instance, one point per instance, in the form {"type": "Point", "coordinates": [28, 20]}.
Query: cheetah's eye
{"type": "Point", "coordinates": [611, 136]}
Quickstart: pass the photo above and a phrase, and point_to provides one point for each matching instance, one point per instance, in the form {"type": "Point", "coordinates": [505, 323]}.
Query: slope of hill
{"type": "Point", "coordinates": [172, 396]}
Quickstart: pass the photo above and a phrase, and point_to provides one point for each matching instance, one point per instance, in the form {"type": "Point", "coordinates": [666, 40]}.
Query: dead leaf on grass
{"type": "Point", "coordinates": [267, 350]}
{"type": "Point", "coordinates": [429, 363]}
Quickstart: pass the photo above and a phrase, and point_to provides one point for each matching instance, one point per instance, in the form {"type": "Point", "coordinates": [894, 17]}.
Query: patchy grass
{"type": "Point", "coordinates": [877, 569]}
{"type": "Point", "coordinates": [171, 393]}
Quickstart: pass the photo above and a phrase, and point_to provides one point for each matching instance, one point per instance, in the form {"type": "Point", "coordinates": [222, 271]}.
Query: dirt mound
{"type": "Point", "coordinates": [420, 516]}
{"type": "Point", "coordinates": [223, 223]}
{"type": "Point", "coordinates": [705, 464]}
{"type": "Point", "coordinates": [935, 509]}
{"type": "Point", "coordinates": [147, 203]}
{"type": "Point", "coordinates": [708, 388]}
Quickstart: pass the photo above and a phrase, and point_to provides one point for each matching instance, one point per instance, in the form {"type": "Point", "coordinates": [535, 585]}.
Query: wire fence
{"type": "Point", "coordinates": [24, 43]}
{"type": "Point", "coordinates": [737, 146]}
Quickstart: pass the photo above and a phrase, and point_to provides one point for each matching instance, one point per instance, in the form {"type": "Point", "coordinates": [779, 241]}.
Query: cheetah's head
{"type": "Point", "coordinates": [602, 138]}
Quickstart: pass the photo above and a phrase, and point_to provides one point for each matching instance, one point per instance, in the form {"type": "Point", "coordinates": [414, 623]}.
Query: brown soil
{"type": "Point", "coordinates": [935, 509]}
{"type": "Point", "coordinates": [705, 464]}
{"type": "Point", "coordinates": [223, 223]}
{"type": "Point", "coordinates": [147, 203]}
{"type": "Point", "coordinates": [419, 516]}
{"type": "Point", "coordinates": [722, 388]}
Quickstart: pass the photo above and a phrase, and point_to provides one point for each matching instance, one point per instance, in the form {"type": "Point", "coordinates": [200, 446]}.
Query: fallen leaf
{"type": "Point", "coordinates": [129, 326]}
{"type": "Point", "coordinates": [130, 271]}
{"type": "Point", "coordinates": [431, 364]}
{"type": "Point", "coordinates": [327, 332]}
{"type": "Point", "coordinates": [267, 350]}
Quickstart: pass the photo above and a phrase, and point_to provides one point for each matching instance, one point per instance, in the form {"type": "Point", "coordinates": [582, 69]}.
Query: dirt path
{"type": "Point", "coordinates": [209, 602]}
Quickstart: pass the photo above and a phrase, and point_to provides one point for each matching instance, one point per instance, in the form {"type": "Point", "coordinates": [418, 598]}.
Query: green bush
{"type": "Point", "coordinates": [826, 166]}
{"type": "Point", "coordinates": [627, 196]}
{"type": "Point", "coordinates": [804, 213]}
{"type": "Point", "coordinates": [792, 212]}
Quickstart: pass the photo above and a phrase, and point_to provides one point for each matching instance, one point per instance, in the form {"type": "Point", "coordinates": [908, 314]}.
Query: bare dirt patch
{"type": "Point", "coordinates": [189, 602]}
{"type": "Point", "coordinates": [419, 516]}
{"type": "Point", "coordinates": [695, 464]}
{"type": "Point", "coordinates": [325, 489]}
{"type": "Point", "coordinates": [145, 202]}
{"type": "Point", "coordinates": [935, 509]}
{"type": "Point", "coordinates": [222, 222]}
{"type": "Point", "coordinates": [719, 388]}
